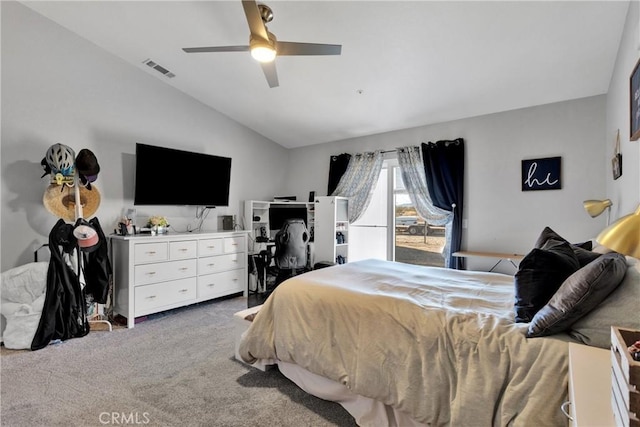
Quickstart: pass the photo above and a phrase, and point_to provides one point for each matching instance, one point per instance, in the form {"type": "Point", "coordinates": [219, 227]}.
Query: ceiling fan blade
{"type": "Point", "coordinates": [294, 48]}
{"type": "Point", "coordinates": [269, 69]}
{"type": "Point", "coordinates": [256, 26]}
{"type": "Point", "coordinates": [216, 49]}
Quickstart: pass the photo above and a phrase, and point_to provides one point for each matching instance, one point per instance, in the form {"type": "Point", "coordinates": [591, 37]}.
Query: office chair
{"type": "Point", "coordinates": [291, 246]}
{"type": "Point", "coordinates": [289, 259]}
{"type": "Point", "coordinates": [291, 250]}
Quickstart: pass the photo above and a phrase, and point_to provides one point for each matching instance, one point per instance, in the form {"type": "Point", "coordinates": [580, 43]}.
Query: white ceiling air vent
{"type": "Point", "coordinates": [159, 68]}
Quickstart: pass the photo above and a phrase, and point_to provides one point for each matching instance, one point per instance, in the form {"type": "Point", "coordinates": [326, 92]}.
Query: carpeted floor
{"type": "Point", "coordinates": [176, 369]}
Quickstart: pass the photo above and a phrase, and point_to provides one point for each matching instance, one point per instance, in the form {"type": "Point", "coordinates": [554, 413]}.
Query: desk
{"type": "Point", "coordinates": [499, 256]}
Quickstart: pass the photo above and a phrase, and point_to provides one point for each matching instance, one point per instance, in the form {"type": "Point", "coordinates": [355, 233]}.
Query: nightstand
{"type": "Point", "coordinates": [589, 386]}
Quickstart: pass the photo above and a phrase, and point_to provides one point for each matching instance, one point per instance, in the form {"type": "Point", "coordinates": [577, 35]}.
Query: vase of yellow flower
{"type": "Point", "coordinates": [158, 224]}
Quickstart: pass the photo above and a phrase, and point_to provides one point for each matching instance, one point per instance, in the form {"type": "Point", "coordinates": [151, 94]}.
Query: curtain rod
{"type": "Point", "coordinates": [382, 151]}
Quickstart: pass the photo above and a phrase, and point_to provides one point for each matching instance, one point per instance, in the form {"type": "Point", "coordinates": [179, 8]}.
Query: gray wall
{"type": "Point", "coordinates": [500, 216]}
{"type": "Point", "coordinates": [625, 191]}
{"type": "Point", "coordinates": [59, 88]}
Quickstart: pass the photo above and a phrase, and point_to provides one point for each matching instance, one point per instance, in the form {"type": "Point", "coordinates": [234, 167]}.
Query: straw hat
{"type": "Point", "coordinates": [60, 200]}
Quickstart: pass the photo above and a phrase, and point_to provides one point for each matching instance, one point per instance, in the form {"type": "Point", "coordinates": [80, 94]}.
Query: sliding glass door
{"type": "Point", "coordinates": [415, 241]}
{"type": "Point", "coordinates": [391, 229]}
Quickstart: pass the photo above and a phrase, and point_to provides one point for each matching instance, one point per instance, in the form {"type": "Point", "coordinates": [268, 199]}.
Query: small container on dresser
{"type": "Point", "coordinates": [625, 378]}
{"type": "Point", "coordinates": [157, 273]}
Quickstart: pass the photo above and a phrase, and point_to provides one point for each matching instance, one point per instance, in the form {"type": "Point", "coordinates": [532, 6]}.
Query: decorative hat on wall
{"type": "Point", "coordinates": [61, 202]}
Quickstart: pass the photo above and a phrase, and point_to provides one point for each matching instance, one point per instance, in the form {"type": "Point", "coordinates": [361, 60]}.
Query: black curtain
{"type": "Point", "coordinates": [444, 170]}
{"type": "Point", "coordinates": [337, 167]}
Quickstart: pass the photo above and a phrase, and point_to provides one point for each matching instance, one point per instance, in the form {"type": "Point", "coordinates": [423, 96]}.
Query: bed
{"type": "Point", "coordinates": [398, 344]}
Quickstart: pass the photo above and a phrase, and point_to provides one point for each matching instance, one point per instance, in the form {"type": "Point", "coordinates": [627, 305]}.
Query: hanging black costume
{"type": "Point", "coordinates": [97, 267]}
{"type": "Point", "coordinates": [64, 312]}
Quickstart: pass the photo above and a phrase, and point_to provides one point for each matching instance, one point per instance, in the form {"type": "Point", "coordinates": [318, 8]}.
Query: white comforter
{"type": "Point", "coordinates": [437, 344]}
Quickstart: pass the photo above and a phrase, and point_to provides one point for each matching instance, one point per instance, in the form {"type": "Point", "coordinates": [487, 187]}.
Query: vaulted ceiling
{"type": "Point", "coordinates": [403, 63]}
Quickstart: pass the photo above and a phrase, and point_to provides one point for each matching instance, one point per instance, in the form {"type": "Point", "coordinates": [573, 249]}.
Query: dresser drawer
{"type": "Point", "coordinates": [164, 271]}
{"type": "Point", "coordinates": [151, 252]}
{"type": "Point", "coordinates": [220, 263]}
{"type": "Point", "coordinates": [218, 284]}
{"type": "Point", "coordinates": [150, 298]}
{"type": "Point", "coordinates": [234, 244]}
{"type": "Point", "coordinates": [183, 249]}
{"type": "Point", "coordinates": [208, 247]}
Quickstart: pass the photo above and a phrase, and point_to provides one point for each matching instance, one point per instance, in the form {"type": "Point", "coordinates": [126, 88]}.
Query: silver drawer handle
{"type": "Point", "coordinates": [151, 273]}
{"type": "Point", "coordinates": [235, 260]}
{"type": "Point", "coordinates": [211, 247]}
{"type": "Point", "coordinates": [235, 280]}
{"type": "Point", "coordinates": [151, 297]}
{"type": "Point", "coordinates": [183, 291]}
{"type": "Point", "coordinates": [151, 252]}
{"type": "Point", "coordinates": [210, 265]}
{"type": "Point", "coordinates": [184, 268]}
{"type": "Point", "coordinates": [211, 285]}
{"type": "Point", "coordinates": [234, 244]}
{"type": "Point", "coordinates": [183, 249]}
{"type": "Point", "coordinates": [565, 411]}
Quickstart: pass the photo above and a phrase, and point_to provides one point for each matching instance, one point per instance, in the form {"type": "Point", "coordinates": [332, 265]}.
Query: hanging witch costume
{"type": "Point", "coordinates": [79, 253]}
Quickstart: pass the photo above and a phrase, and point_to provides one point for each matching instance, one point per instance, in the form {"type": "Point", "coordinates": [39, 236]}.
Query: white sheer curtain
{"type": "Point", "coordinates": [415, 181]}
{"type": "Point", "coordinates": [359, 180]}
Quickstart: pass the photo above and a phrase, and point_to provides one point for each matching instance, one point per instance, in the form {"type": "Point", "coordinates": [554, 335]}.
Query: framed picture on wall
{"type": "Point", "coordinates": [634, 103]}
{"type": "Point", "coordinates": [541, 174]}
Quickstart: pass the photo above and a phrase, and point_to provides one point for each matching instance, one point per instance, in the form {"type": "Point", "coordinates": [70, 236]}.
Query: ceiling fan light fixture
{"type": "Point", "coordinates": [263, 50]}
{"type": "Point", "coordinates": [263, 53]}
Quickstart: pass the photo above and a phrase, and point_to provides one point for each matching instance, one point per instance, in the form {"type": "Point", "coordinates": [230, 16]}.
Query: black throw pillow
{"type": "Point", "coordinates": [540, 274]}
{"type": "Point", "coordinates": [581, 250]}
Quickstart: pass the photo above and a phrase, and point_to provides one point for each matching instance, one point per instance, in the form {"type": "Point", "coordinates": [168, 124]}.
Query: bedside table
{"type": "Point", "coordinates": [589, 386]}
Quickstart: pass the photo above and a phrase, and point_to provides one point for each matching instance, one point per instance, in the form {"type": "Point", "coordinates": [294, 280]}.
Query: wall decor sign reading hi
{"type": "Point", "coordinates": [541, 174]}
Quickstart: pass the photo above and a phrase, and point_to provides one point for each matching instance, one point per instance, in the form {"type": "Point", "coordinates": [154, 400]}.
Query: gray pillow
{"type": "Point", "coordinates": [578, 295]}
{"type": "Point", "coordinates": [618, 309]}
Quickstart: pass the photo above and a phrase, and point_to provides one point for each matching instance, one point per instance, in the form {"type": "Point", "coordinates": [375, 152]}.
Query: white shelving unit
{"type": "Point", "coordinates": [256, 220]}
{"type": "Point", "coordinates": [331, 233]}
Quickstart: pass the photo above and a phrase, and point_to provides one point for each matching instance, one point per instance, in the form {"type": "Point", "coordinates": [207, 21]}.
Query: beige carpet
{"type": "Point", "coordinates": [176, 369]}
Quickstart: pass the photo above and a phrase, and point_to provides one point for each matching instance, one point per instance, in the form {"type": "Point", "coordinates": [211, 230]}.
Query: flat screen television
{"type": "Point", "coordinates": [166, 176]}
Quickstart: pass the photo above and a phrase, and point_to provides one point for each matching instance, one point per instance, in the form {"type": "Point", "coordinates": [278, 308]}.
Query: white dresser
{"type": "Point", "coordinates": [589, 387]}
{"type": "Point", "coordinates": [157, 273]}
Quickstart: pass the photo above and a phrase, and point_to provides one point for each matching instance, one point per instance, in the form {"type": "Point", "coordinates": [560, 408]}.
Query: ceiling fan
{"type": "Point", "coordinates": [264, 46]}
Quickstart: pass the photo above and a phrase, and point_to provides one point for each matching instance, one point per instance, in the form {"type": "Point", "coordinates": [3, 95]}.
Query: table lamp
{"type": "Point", "coordinates": [596, 207]}
{"type": "Point", "coordinates": [623, 236]}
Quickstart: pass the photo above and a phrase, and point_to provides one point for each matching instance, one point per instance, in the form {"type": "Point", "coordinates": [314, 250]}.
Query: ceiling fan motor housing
{"type": "Point", "coordinates": [265, 13]}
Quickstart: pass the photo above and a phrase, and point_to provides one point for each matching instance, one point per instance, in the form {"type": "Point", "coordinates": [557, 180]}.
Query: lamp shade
{"type": "Point", "coordinates": [623, 236]}
{"type": "Point", "coordinates": [596, 207]}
